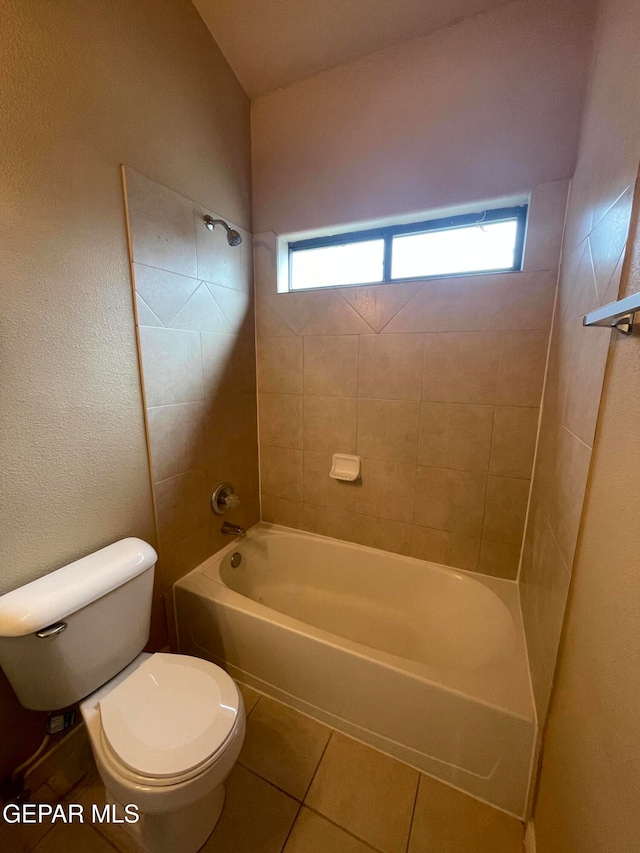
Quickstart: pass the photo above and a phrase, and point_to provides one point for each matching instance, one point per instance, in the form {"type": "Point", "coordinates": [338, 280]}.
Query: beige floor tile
{"type": "Point", "coordinates": [447, 821]}
{"type": "Point", "coordinates": [20, 838]}
{"type": "Point", "coordinates": [256, 817]}
{"type": "Point", "coordinates": [366, 792]}
{"type": "Point", "coordinates": [73, 838]}
{"type": "Point", "coordinates": [249, 696]}
{"type": "Point", "coordinates": [116, 834]}
{"type": "Point", "coordinates": [314, 834]}
{"type": "Point", "coordinates": [283, 746]}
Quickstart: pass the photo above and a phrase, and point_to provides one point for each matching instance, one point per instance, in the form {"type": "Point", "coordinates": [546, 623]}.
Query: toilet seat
{"type": "Point", "coordinates": [170, 719]}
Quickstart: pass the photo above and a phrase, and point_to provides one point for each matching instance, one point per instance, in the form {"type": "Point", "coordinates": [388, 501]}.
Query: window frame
{"type": "Point", "coordinates": [387, 233]}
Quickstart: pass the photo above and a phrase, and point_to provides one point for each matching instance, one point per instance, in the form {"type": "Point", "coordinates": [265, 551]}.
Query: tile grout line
{"type": "Point", "coordinates": [413, 814]}
{"type": "Point", "coordinates": [342, 828]}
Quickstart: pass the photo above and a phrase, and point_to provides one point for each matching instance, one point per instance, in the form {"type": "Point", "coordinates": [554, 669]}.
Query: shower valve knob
{"type": "Point", "coordinates": [224, 498]}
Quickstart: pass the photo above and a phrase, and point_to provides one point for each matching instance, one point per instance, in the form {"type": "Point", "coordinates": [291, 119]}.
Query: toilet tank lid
{"type": "Point", "coordinates": [55, 596]}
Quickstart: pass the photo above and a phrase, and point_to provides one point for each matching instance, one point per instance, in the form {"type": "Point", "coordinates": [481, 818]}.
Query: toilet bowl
{"type": "Point", "coordinates": [165, 733]}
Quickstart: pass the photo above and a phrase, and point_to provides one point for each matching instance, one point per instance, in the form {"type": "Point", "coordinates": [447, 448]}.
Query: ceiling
{"type": "Point", "coordinates": [273, 43]}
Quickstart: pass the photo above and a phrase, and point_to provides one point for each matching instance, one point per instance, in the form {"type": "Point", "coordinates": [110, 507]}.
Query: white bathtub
{"type": "Point", "coordinates": [424, 662]}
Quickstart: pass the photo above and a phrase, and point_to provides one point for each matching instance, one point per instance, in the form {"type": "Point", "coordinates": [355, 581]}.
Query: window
{"type": "Point", "coordinates": [489, 241]}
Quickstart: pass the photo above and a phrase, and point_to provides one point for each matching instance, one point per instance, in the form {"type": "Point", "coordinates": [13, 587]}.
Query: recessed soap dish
{"type": "Point", "coordinates": [345, 467]}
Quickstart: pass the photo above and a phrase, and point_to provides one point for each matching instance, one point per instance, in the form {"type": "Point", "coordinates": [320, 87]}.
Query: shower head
{"type": "Point", "coordinates": [233, 237]}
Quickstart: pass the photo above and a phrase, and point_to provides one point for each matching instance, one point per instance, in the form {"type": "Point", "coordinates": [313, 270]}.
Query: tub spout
{"type": "Point", "coordinates": [233, 529]}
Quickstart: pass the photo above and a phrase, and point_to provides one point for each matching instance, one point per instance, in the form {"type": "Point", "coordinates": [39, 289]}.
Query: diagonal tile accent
{"type": "Point", "coordinates": [235, 304]}
{"type": "Point", "coordinates": [201, 314]}
{"type": "Point", "coordinates": [146, 317]}
{"type": "Point", "coordinates": [337, 317]}
{"type": "Point", "coordinates": [532, 308]}
{"type": "Point", "coordinates": [269, 324]}
{"type": "Point", "coordinates": [608, 240]}
{"type": "Point", "coordinates": [458, 304]}
{"type": "Point", "coordinates": [164, 292]}
{"type": "Point", "coordinates": [297, 309]}
{"type": "Point", "coordinates": [378, 304]}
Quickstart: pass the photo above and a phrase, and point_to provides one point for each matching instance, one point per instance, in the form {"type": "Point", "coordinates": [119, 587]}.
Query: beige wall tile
{"type": "Point", "coordinates": [218, 262]}
{"type": "Point", "coordinates": [568, 488]}
{"type": "Point", "coordinates": [330, 424]}
{"type": "Point", "coordinates": [461, 367]}
{"type": "Point", "coordinates": [455, 436]}
{"type": "Point", "coordinates": [161, 224]}
{"type": "Point", "coordinates": [164, 292]}
{"type": "Point", "coordinates": [201, 314]}
{"type": "Point", "coordinates": [281, 511]}
{"type": "Point", "coordinates": [390, 367]}
{"type": "Point", "coordinates": [505, 509]}
{"type": "Point", "coordinates": [229, 363]}
{"type": "Point", "coordinates": [584, 382]}
{"type": "Point", "coordinates": [577, 291]}
{"type": "Point", "coordinates": [366, 792]}
{"type": "Point", "coordinates": [337, 317]}
{"type": "Point", "coordinates": [382, 533]}
{"type": "Point", "coordinates": [514, 441]}
{"type": "Point", "coordinates": [544, 587]}
{"type": "Point", "coordinates": [450, 500]}
{"type": "Point", "coordinates": [607, 241]}
{"type": "Point", "coordinates": [547, 209]}
{"type": "Point", "coordinates": [387, 490]}
{"type": "Point", "coordinates": [177, 439]}
{"type": "Point", "coordinates": [563, 341]}
{"type": "Point", "coordinates": [388, 429]}
{"type": "Point", "coordinates": [280, 420]}
{"type": "Point", "coordinates": [499, 559]}
{"type": "Point", "coordinates": [280, 365]}
{"type": "Point", "coordinates": [182, 506]}
{"type": "Point", "coordinates": [445, 548]}
{"type": "Point", "coordinates": [522, 365]}
{"type": "Point", "coordinates": [179, 559]}
{"type": "Point", "coordinates": [448, 820]}
{"type": "Point", "coordinates": [379, 303]}
{"type": "Point", "coordinates": [281, 472]}
{"type": "Point", "coordinates": [533, 307]}
{"type": "Point", "coordinates": [328, 521]}
{"type": "Point", "coordinates": [462, 303]}
{"type": "Point", "coordinates": [297, 309]}
{"type": "Point", "coordinates": [172, 366]}
{"type": "Point", "coordinates": [232, 434]}
{"type": "Point", "coordinates": [331, 365]}
{"type": "Point", "coordinates": [320, 489]}
{"type": "Point", "coordinates": [283, 746]}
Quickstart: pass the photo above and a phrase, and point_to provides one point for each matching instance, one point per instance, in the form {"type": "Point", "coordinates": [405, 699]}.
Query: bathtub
{"type": "Point", "coordinates": [421, 661]}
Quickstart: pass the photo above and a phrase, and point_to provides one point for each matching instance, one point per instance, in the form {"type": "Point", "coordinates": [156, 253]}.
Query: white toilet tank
{"type": "Point", "coordinates": [67, 633]}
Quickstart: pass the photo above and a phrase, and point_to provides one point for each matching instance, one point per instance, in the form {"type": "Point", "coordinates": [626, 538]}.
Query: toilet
{"type": "Point", "coordinates": [165, 729]}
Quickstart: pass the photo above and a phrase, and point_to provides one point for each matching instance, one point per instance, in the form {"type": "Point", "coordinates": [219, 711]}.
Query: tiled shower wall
{"type": "Point", "coordinates": [194, 304]}
{"type": "Point", "coordinates": [598, 216]}
{"type": "Point", "coordinates": [435, 384]}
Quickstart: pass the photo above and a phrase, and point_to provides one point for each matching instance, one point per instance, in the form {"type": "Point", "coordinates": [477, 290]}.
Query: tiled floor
{"type": "Point", "coordinates": [300, 787]}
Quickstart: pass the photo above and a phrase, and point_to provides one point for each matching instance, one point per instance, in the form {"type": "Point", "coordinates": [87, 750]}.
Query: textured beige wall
{"type": "Point", "coordinates": [435, 384]}
{"type": "Point", "coordinates": [85, 86]}
{"type": "Point", "coordinates": [597, 225]}
{"type": "Point", "coordinates": [488, 107]}
{"type": "Point", "coordinates": [194, 309]}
